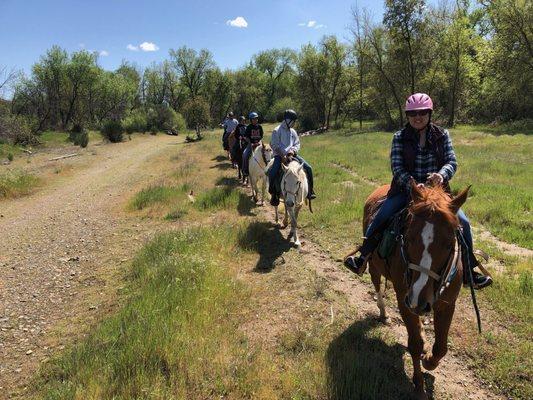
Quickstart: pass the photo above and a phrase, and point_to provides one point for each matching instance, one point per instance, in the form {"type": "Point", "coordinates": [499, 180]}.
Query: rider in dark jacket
{"type": "Point", "coordinates": [253, 135]}
{"type": "Point", "coordinates": [421, 151]}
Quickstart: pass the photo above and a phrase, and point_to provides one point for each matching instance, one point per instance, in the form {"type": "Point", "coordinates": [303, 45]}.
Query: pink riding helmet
{"type": "Point", "coordinates": [418, 101]}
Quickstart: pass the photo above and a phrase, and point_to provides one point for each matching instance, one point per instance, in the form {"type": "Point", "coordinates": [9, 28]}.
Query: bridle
{"type": "Point", "coordinates": [450, 270]}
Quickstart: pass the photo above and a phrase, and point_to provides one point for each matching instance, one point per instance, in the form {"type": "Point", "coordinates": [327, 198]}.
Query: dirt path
{"type": "Point", "coordinates": [452, 379]}
{"type": "Point", "coordinates": [59, 247]}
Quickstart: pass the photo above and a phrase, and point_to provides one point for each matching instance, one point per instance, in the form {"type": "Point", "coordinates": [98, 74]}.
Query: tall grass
{"type": "Point", "coordinates": [176, 336]}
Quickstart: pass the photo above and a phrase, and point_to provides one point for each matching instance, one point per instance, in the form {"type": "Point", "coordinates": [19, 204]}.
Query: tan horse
{"type": "Point", "coordinates": [425, 269]}
{"type": "Point", "coordinates": [294, 189]}
{"type": "Point", "coordinates": [259, 159]}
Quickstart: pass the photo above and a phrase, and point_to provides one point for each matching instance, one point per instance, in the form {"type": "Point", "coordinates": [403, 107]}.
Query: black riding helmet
{"type": "Point", "coordinates": [242, 118]}
{"type": "Point", "coordinates": [290, 115]}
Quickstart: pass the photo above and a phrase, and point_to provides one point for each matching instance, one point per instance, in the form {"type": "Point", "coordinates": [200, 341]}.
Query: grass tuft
{"type": "Point", "coordinates": [16, 184]}
{"type": "Point", "coordinates": [155, 194]}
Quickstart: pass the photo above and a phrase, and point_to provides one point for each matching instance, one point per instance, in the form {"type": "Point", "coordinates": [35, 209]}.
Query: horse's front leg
{"type": "Point", "coordinates": [253, 184]}
{"type": "Point", "coordinates": [294, 226]}
{"type": "Point", "coordinates": [415, 345]}
{"type": "Point", "coordinates": [285, 218]}
{"type": "Point", "coordinates": [263, 188]}
{"type": "Point", "coordinates": [442, 320]}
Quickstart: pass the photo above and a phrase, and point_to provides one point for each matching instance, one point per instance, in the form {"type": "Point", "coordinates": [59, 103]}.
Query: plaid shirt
{"type": "Point", "coordinates": [425, 161]}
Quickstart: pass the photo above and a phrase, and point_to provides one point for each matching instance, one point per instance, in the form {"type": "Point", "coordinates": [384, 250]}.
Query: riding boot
{"type": "Point", "coordinates": [357, 264]}
{"type": "Point", "coordinates": [480, 280]}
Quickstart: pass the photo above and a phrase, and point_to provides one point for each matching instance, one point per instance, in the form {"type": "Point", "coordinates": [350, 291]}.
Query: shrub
{"type": "Point", "coordinates": [196, 112]}
{"type": "Point", "coordinates": [164, 118]}
{"type": "Point", "coordinates": [79, 136]}
{"type": "Point", "coordinates": [10, 157]}
{"type": "Point", "coordinates": [135, 122]}
{"type": "Point", "coordinates": [112, 130]}
{"type": "Point", "coordinates": [16, 130]}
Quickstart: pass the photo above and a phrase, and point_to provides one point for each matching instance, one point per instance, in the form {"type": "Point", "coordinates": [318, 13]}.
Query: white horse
{"type": "Point", "coordinates": [294, 189]}
{"type": "Point", "coordinates": [261, 156]}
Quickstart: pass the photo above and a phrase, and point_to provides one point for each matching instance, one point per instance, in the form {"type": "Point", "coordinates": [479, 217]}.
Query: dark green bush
{"type": "Point", "coordinates": [79, 136]}
{"type": "Point", "coordinates": [112, 130]}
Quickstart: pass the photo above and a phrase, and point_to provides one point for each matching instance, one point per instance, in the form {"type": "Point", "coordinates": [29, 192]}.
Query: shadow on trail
{"type": "Point", "coordinates": [245, 204]}
{"type": "Point", "coordinates": [220, 158]}
{"type": "Point", "coordinates": [266, 239]}
{"type": "Point", "coordinates": [362, 365]}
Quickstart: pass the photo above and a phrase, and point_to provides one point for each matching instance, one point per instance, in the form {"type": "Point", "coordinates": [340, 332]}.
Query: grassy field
{"type": "Point", "coordinates": [188, 321]}
{"type": "Point", "coordinates": [16, 183]}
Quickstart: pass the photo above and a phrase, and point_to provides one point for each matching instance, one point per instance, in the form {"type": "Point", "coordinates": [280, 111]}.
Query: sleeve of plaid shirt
{"type": "Point", "coordinates": [396, 159]}
{"type": "Point", "coordinates": [450, 162]}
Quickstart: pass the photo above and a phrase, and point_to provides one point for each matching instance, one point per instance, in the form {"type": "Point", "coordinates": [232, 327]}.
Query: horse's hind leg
{"type": "Point", "coordinates": [380, 293]}
{"type": "Point", "coordinates": [442, 321]}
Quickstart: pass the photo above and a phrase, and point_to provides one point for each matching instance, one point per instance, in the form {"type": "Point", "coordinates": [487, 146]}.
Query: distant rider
{"type": "Point", "coordinates": [229, 125]}
{"type": "Point", "coordinates": [240, 131]}
{"type": "Point", "coordinates": [285, 142]}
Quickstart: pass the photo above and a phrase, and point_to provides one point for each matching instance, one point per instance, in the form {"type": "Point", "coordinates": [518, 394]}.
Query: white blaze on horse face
{"type": "Point", "coordinates": [425, 262]}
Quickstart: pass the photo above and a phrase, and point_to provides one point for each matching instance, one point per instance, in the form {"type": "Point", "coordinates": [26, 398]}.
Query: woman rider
{"type": "Point", "coordinates": [421, 151]}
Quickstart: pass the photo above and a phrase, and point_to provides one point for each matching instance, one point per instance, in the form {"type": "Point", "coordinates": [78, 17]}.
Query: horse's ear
{"type": "Point", "coordinates": [284, 167]}
{"type": "Point", "coordinates": [300, 168]}
{"type": "Point", "coordinates": [416, 192]}
{"type": "Point", "coordinates": [459, 200]}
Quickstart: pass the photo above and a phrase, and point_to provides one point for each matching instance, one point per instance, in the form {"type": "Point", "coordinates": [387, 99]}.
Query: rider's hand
{"type": "Point", "coordinates": [435, 179]}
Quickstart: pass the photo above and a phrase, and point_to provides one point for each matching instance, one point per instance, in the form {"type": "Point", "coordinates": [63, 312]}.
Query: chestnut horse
{"type": "Point", "coordinates": [425, 269]}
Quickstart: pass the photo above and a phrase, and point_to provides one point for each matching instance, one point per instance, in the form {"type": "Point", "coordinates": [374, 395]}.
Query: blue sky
{"type": "Point", "coordinates": [29, 27]}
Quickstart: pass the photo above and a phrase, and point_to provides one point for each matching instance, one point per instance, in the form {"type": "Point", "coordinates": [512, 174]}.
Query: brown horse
{"type": "Point", "coordinates": [425, 269]}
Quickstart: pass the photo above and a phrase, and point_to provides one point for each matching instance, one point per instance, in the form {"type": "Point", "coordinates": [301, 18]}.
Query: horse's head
{"type": "Point", "coordinates": [267, 153]}
{"type": "Point", "coordinates": [291, 186]}
{"type": "Point", "coordinates": [429, 243]}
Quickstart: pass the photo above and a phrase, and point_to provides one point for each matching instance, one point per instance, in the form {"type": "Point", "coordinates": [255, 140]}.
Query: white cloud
{"type": "Point", "coordinates": [310, 24]}
{"type": "Point", "coordinates": [148, 46]}
{"type": "Point", "coordinates": [104, 53]}
{"type": "Point", "coordinates": [302, 24]}
{"type": "Point", "coordinates": [132, 47]}
{"type": "Point", "coordinates": [238, 22]}
{"type": "Point", "coordinates": [320, 26]}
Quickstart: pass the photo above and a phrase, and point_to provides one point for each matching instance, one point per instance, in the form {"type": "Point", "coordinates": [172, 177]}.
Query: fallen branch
{"type": "Point", "coordinates": [61, 157]}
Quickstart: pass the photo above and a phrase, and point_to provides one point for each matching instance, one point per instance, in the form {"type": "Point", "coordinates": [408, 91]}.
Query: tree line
{"type": "Point", "coordinates": [475, 60]}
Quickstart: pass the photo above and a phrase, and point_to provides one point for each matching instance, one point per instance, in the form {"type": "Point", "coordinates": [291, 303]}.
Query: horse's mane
{"type": "Point", "coordinates": [431, 201]}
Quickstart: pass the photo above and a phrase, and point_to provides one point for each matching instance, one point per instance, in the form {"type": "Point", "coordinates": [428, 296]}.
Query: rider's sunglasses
{"type": "Point", "coordinates": [422, 113]}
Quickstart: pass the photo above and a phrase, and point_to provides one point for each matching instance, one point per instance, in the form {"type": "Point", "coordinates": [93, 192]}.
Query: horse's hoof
{"type": "Point", "coordinates": [298, 244]}
{"type": "Point", "coordinates": [429, 363]}
{"type": "Point", "coordinates": [384, 320]}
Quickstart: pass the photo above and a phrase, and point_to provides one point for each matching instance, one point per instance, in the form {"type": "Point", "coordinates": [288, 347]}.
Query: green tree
{"type": "Point", "coordinates": [192, 67]}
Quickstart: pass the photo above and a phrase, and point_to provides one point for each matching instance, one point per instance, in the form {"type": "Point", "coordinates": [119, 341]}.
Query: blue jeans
{"type": "Point", "coordinates": [274, 169]}
{"type": "Point", "coordinates": [391, 206]}
{"type": "Point", "coordinates": [246, 159]}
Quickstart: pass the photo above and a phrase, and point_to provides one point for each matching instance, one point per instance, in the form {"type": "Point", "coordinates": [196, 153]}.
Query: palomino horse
{"type": "Point", "coordinates": [294, 189]}
{"type": "Point", "coordinates": [425, 269]}
{"type": "Point", "coordinates": [261, 156]}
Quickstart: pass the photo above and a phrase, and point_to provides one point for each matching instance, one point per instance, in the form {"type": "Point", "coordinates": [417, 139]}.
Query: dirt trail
{"type": "Point", "coordinates": [452, 378]}
{"type": "Point", "coordinates": [58, 247]}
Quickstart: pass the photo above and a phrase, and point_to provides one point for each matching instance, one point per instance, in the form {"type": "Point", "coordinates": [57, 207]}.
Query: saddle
{"type": "Point", "coordinates": [279, 177]}
{"type": "Point", "coordinates": [388, 238]}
